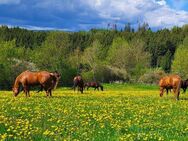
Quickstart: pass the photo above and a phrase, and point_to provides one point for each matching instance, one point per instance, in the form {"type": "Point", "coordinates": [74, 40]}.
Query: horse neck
{"type": "Point", "coordinates": [17, 83]}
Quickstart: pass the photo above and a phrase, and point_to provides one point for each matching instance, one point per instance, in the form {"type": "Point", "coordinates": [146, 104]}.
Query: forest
{"type": "Point", "coordinates": [104, 55]}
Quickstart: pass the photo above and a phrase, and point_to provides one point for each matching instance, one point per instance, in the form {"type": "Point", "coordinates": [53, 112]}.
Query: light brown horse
{"type": "Point", "coordinates": [170, 82]}
{"type": "Point", "coordinates": [26, 79]}
{"type": "Point", "coordinates": [78, 82]}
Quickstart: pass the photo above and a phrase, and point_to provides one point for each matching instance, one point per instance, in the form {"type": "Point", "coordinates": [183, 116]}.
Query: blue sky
{"type": "Point", "coordinates": [75, 15]}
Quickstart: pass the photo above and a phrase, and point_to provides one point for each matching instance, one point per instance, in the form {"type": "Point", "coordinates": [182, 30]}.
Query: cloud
{"type": "Point", "coordinates": [9, 1]}
{"type": "Point", "coordinates": [87, 14]}
{"type": "Point", "coordinates": [156, 12]}
{"type": "Point", "coordinates": [166, 18]}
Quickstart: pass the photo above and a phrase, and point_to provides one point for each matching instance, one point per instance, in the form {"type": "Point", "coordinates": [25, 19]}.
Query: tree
{"type": "Point", "coordinates": [129, 56]}
{"type": "Point", "coordinates": [53, 55]}
{"type": "Point", "coordinates": [12, 62]}
{"type": "Point", "coordinates": [180, 63]}
{"type": "Point", "coordinates": [91, 56]}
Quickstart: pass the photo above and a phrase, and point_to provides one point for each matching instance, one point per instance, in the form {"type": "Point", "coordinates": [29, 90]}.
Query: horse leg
{"type": "Point", "coordinates": [47, 93]}
{"type": "Point", "coordinates": [25, 90]}
{"type": "Point", "coordinates": [178, 94]}
{"type": "Point", "coordinates": [81, 89]}
{"type": "Point", "coordinates": [28, 91]}
{"type": "Point", "coordinates": [167, 91]}
{"type": "Point", "coordinates": [178, 91]}
{"type": "Point", "coordinates": [28, 94]}
{"type": "Point", "coordinates": [50, 91]}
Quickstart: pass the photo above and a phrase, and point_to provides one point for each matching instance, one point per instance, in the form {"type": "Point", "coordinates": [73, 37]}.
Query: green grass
{"type": "Point", "coordinates": [121, 112]}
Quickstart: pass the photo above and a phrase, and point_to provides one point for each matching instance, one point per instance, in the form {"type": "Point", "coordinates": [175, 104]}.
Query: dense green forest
{"type": "Point", "coordinates": [140, 56]}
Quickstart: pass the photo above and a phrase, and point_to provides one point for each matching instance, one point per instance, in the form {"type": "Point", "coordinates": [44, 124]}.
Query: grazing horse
{"type": "Point", "coordinates": [95, 85]}
{"type": "Point", "coordinates": [170, 82]}
{"type": "Point", "coordinates": [78, 82]}
{"type": "Point", "coordinates": [26, 79]}
{"type": "Point", "coordinates": [184, 85]}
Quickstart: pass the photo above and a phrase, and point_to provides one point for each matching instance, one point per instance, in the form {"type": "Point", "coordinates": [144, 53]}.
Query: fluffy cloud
{"type": "Point", "coordinates": [86, 14]}
{"type": "Point", "coordinates": [156, 12]}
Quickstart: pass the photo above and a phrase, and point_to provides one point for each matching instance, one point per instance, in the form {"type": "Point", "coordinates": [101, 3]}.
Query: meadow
{"type": "Point", "coordinates": [120, 112]}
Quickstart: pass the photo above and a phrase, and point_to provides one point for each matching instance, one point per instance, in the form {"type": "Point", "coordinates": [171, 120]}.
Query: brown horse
{"type": "Point", "coordinates": [95, 85]}
{"type": "Point", "coordinates": [184, 85]}
{"type": "Point", "coordinates": [26, 79]}
{"type": "Point", "coordinates": [78, 82]}
{"type": "Point", "coordinates": [170, 82]}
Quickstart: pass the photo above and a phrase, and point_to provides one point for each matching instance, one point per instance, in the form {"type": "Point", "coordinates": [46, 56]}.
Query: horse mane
{"type": "Point", "coordinates": [16, 83]}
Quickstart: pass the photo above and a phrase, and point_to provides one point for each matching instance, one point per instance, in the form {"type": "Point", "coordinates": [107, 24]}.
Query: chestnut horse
{"type": "Point", "coordinates": [78, 82]}
{"type": "Point", "coordinates": [184, 85]}
{"type": "Point", "coordinates": [26, 79]}
{"type": "Point", "coordinates": [95, 85]}
{"type": "Point", "coordinates": [170, 82]}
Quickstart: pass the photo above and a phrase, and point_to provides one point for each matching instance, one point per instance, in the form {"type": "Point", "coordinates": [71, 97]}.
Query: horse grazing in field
{"type": "Point", "coordinates": [48, 81]}
{"type": "Point", "coordinates": [95, 85]}
{"type": "Point", "coordinates": [170, 82]}
{"type": "Point", "coordinates": [78, 82]}
{"type": "Point", "coordinates": [184, 85]}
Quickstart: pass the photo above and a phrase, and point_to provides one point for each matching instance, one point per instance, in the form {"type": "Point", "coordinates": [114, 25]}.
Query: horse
{"type": "Point", "coordinates": [56, 74]}
{"type": "Point", "coordinates": [78, 82]}
{"type": "Point", "coordinates": [95, 85]}
{"type": "Point", "coordinates": [47, 80]}
{"type": "Point", "coordinates": [170, 82]}
{"type": "Point", "coordinates": [184, 85]}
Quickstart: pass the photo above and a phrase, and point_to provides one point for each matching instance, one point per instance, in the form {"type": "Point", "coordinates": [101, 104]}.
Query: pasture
{"type": "Point", "coordinates": [120, 112]}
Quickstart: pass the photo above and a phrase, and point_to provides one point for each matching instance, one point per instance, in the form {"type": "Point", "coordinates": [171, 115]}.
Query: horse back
{"type": "Point", "coordinates": [170, 81]}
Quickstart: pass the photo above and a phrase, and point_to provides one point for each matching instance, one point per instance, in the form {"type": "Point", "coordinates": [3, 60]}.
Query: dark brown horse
{"type": "Point", "coordinates": [184, 85]}
{"type": "Point", "coordinates": [78, 82]}
{"type": "Point", "coordinates": [170, 82]}
{"type": "Point", "coordinates": [95, 85]}
{"type": "Point", "coordinates": [48, 81]}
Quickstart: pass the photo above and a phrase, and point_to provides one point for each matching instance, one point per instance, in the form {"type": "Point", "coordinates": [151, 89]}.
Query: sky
{"type": "Point", "coordinates": [76, 15]}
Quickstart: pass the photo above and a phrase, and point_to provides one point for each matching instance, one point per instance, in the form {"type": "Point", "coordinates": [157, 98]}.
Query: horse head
{"type": "Point", "coordinates": [15, 91]}
{"type": "Point", "coordinates": [56, 77]}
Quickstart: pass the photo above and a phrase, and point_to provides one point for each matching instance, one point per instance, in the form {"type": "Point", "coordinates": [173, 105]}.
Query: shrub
{"type": "Point", "coordinates": [152, 76]}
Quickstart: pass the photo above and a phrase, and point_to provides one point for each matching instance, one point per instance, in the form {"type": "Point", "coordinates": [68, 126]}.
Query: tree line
{"type": "Point", "coordinates": [104, 55]}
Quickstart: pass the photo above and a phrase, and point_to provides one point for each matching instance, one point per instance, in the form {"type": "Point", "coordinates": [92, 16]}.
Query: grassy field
{"type": "Point", "coordinates": [121, 112]}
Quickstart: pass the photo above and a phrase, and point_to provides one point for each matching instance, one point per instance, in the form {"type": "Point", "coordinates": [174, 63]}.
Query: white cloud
{"type": "Point", "coordinates": [9, 1]}
{"type": "Point", "coordinates": [161, 2]}
{"type": "Point", "coordinates": [156, 12]}
{"type": "Point", "coordinates": [166, 18]}
{"type": "Point", "coordinates": [78, 13]}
